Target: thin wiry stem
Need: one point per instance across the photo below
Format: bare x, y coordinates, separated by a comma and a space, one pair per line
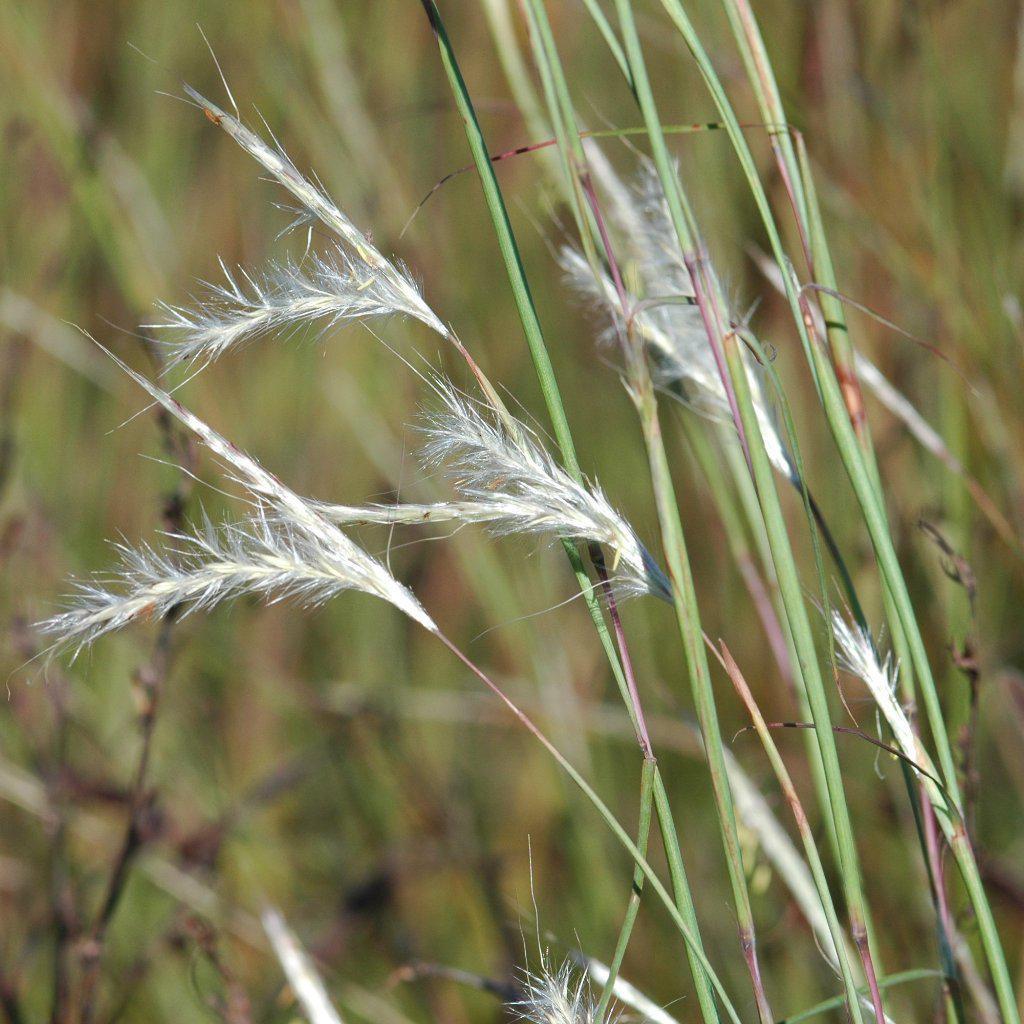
837, 946
860, 656
677, 913
577, 185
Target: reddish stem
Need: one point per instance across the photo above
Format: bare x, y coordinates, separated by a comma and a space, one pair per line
860, 938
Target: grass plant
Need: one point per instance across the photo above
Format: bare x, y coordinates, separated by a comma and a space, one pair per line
751, 533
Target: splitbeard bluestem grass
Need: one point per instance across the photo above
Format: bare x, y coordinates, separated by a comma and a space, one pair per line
501, 472
287, 548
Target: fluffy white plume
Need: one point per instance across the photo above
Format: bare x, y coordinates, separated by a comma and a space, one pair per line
204, 569
510, 481
329, 290
315, 201
858, 656
556, 997
682, 362
295, 515
668, 320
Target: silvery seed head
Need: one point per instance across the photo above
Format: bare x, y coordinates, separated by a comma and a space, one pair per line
506, 478
666, 315
315, 202
857, 655
200, 570
288, 548
327, 290
559, 996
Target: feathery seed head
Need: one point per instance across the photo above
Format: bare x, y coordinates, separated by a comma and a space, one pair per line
556, 996
362, 253
276, 162
682, 361
329, 289
259, 557
857, 654
509, 480
283, 517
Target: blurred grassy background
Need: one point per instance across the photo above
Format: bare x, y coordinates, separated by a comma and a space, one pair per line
338, 763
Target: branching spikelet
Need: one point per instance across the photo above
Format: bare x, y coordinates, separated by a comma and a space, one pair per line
556, 996
202, 570
858, 656
315, 202
510, 481
329, 290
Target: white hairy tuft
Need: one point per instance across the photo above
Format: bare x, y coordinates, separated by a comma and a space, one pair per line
284, 518
857, 654
329, 290
668, 320
317, 204
560, 996
201, 570
509, 480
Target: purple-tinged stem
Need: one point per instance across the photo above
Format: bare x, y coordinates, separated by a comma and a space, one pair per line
640, 723
711, 316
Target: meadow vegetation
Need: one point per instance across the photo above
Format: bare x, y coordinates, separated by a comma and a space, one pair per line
512, 508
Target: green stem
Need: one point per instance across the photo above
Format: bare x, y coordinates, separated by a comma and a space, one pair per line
803, 827
683, 910
835, 407
902, 978
688, 621
633, 907
506, 243
692, 941
563, 117
782, 554
682, 893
